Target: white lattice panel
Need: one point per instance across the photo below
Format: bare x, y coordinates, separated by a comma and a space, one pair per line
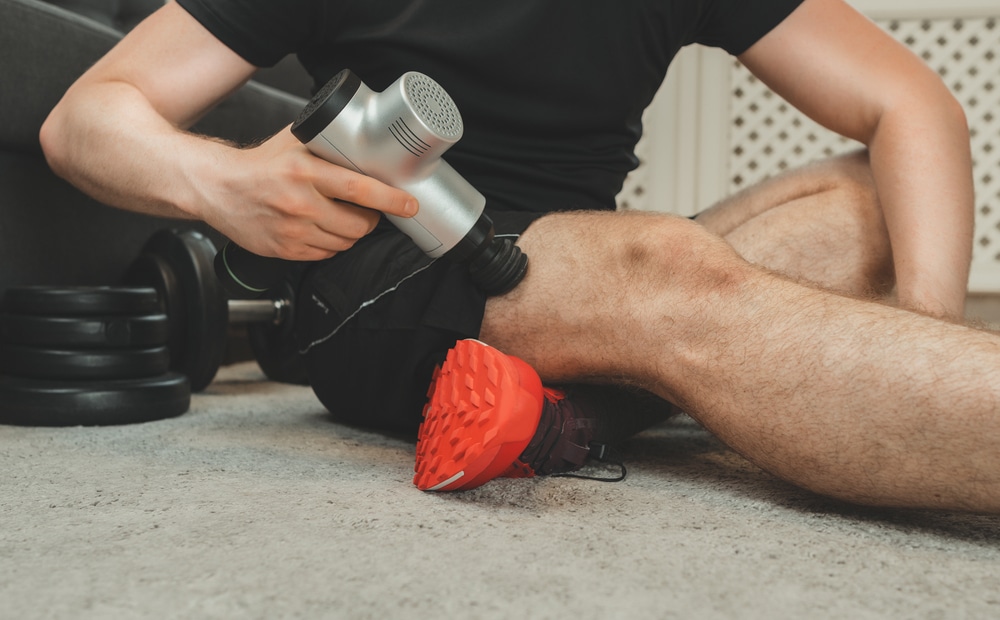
634, 194
769, 136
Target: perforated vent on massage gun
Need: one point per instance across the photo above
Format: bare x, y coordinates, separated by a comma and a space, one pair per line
433, 105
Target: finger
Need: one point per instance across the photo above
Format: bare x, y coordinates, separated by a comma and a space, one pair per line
328, 226
319, 247
347, 221
345, 185
311, 254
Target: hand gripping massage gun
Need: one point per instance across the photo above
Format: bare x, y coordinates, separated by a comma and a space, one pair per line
398, 137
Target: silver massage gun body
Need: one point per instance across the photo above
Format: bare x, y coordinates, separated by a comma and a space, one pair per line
399, 136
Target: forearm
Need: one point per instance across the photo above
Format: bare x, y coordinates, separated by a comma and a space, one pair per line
107, 140
923, 171
275, 199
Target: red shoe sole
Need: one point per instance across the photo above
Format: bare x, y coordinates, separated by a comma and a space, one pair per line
483, 409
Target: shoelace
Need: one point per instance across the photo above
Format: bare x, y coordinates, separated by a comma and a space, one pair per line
602, 453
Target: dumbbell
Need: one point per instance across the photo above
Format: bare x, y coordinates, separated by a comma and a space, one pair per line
180, 266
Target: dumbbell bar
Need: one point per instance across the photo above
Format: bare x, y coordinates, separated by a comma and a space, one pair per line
179, 265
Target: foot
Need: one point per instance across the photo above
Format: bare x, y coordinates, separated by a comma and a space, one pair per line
488, 416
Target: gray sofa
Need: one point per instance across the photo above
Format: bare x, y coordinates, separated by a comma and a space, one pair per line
50, 233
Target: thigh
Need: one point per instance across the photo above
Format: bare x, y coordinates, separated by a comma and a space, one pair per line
820, 224
850, 173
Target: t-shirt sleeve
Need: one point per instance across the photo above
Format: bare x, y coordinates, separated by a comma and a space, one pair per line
735, 25
262, 32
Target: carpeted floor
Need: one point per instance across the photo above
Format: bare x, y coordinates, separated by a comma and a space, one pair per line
255, 504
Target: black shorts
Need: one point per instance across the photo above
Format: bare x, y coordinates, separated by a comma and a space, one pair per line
374, 321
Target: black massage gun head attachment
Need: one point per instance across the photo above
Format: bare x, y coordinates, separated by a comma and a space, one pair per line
499, 267
495, 264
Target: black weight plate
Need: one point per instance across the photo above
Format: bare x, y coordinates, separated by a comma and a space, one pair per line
151, 270
103, 332
80, 300
82, 364
29, 402
274, 346
190, 257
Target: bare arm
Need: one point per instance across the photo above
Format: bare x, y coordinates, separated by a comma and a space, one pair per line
119, 135
844, 72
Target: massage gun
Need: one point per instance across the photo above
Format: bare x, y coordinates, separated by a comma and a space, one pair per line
398, 137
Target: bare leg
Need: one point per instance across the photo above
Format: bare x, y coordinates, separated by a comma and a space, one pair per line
821, 224
851, 399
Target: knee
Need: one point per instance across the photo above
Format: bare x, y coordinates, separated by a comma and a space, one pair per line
630, 251
677, 254
844, 242
854, 176
601, 286
858, 193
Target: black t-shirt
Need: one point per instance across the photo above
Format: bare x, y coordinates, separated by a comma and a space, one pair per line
551, 92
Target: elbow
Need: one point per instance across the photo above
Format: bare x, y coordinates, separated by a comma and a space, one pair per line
945, 104
956, 112
934, 108
53, 141
946, 108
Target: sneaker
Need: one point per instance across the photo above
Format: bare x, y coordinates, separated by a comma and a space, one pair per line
488, 416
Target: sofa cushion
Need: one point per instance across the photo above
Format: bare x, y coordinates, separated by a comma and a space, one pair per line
43, 49
121, 15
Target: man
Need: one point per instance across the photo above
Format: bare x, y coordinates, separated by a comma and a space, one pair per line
850, 398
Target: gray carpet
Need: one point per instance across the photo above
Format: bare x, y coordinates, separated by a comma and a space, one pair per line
255, 504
